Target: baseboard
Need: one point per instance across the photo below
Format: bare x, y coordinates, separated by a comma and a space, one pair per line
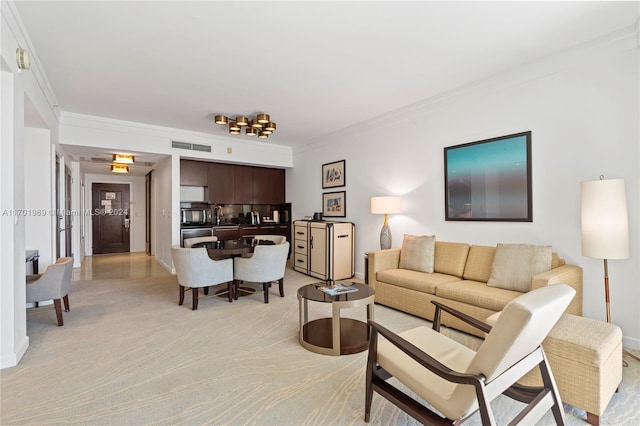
631, 343
169, 268
13, 359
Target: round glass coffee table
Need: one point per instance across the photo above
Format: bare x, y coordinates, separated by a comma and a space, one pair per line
335, 335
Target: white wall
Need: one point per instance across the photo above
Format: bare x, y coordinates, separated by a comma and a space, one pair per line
165, 194
15, 87
39, 202
582, 108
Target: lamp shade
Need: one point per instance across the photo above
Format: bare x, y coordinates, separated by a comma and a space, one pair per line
605, 225
386, 205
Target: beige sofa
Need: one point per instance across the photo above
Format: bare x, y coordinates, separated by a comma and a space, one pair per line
459, 279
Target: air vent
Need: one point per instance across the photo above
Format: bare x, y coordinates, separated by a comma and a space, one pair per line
203, 148
180, 145
191, 146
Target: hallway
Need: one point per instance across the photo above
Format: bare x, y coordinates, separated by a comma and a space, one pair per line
119, 265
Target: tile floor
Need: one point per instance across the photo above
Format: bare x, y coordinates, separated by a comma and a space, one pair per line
119, 265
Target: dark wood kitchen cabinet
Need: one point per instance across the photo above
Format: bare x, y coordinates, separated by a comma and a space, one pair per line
235, 184
194, 173
222, 183
268, 186
243, 176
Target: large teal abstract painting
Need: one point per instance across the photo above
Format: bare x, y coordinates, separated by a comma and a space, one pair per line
489, 180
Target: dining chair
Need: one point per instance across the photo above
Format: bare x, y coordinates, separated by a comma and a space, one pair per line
277, 239
266, 265
54, 284
195, 269
188, 242
458, 381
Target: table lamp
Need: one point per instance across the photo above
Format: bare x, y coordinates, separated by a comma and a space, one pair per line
605, 225
386, 206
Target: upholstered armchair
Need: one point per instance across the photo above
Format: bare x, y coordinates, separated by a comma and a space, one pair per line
188, 242
267, 264
458, 381
195, 269
53, 284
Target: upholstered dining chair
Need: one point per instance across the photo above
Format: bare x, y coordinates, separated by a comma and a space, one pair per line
188, 242
195, 269
267, 264
277, 239
458, 381
54, 284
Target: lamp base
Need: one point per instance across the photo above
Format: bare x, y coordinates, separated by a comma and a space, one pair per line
385, 237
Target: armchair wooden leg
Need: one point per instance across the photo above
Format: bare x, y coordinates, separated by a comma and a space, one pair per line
371, 367
230, 286
593, 419
58, 305
281, 286
194, 303
265, 287
65, 299
181, 300
206, 291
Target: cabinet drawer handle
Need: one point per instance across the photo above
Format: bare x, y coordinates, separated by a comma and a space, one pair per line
300, 233
343, 236
300, 260
300, 247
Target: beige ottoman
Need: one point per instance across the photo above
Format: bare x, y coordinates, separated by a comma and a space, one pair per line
585, 356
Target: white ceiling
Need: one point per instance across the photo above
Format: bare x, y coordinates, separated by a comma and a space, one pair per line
315, 67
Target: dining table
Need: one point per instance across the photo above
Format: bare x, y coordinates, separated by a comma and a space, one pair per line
225, 249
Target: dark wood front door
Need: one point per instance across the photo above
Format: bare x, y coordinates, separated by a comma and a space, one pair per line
111, 220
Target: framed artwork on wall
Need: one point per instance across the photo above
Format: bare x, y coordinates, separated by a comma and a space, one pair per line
333, 174
489, 180
334, 204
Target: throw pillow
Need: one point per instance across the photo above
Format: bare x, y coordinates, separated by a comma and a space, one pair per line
417, 252
515, 264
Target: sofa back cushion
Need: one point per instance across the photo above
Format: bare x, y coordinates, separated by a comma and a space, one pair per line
417, 253
450, 258
479, 261
515, 264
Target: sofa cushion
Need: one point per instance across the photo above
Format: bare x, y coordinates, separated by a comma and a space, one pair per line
414, 280
479, 261
417, 253
450, 258
515, 264
477, 294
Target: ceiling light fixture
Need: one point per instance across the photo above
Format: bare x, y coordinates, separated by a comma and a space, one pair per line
119, 168
260, 126
123, 159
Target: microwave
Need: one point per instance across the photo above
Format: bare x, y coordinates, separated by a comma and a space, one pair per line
195, 216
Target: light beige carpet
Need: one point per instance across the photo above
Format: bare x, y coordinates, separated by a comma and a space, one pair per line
129, 355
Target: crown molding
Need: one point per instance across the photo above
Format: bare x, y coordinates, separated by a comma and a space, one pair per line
596, 50
16, 27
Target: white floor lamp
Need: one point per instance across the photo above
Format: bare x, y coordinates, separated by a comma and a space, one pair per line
386, 206
605, 226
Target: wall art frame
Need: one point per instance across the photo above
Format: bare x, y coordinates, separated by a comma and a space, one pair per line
333, 174
334, 204
489, 180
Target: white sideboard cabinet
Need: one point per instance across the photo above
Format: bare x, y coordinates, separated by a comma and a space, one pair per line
324, 249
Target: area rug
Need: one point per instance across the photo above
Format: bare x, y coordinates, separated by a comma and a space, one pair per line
129, 355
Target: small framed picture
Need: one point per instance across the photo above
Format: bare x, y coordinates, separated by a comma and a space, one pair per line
333, 174
334, 204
